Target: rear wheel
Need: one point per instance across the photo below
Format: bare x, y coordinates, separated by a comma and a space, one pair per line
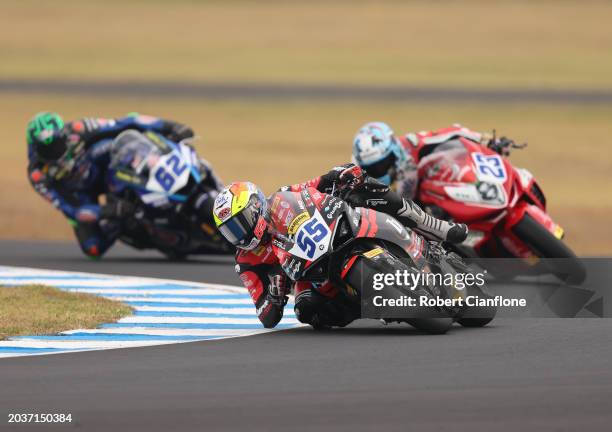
567, 266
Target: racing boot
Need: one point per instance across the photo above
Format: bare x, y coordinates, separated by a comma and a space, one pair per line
430, 226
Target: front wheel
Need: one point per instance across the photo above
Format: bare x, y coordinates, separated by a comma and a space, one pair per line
364, 267
175, 256
477, 317
567, 266
471, 316
431, 325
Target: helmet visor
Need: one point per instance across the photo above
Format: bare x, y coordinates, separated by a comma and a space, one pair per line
382, 168
239, 230
51, 146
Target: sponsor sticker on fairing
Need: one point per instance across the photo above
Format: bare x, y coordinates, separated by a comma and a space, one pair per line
332, 211
297, 222
373, 252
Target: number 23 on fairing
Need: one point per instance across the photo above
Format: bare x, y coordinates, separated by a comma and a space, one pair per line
489, 168
312, 238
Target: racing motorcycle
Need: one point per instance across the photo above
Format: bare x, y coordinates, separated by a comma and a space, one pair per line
320, 237
171, 191
503, 206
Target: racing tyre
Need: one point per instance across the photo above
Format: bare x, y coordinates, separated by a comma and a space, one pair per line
474, 322
175, 256
569, 269
472, 317
361, 274
431, 325
477, 317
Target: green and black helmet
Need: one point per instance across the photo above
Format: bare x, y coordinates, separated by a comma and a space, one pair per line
43, 135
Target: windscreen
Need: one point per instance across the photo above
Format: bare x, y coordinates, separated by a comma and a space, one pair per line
135, 152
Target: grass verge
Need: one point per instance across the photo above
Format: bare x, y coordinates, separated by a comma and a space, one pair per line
40, 310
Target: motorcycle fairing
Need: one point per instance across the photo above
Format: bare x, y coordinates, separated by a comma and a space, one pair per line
155, 167
466, 180
381, 226
474, 185
304, 223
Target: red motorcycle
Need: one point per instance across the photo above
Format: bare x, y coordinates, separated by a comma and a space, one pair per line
503, 206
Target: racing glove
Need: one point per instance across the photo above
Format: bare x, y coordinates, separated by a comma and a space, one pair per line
344, 177
178, 132
352, 177
501, 146
278, 288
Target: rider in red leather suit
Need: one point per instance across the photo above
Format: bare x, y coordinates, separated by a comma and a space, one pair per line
258, 265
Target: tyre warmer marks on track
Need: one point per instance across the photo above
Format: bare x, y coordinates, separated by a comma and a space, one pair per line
165, 312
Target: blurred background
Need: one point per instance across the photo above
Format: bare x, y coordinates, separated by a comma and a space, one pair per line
544, 68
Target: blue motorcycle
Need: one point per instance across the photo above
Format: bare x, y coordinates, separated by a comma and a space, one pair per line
173, 192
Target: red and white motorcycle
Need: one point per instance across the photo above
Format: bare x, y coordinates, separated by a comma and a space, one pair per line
503, 206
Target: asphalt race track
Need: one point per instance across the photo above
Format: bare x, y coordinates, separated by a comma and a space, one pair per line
536, 374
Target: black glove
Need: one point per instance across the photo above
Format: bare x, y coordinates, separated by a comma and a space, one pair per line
179, 132
352, 177
343, 177
278, 289
503, 145
117, 209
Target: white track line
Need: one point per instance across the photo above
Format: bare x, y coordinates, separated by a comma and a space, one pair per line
142, 291
6, 272
211, 310
161, 300
228, 311
170, 332
101, 283
196, 320
86, 344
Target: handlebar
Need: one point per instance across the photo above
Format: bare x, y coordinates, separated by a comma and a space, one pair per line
518, 146
503, 145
